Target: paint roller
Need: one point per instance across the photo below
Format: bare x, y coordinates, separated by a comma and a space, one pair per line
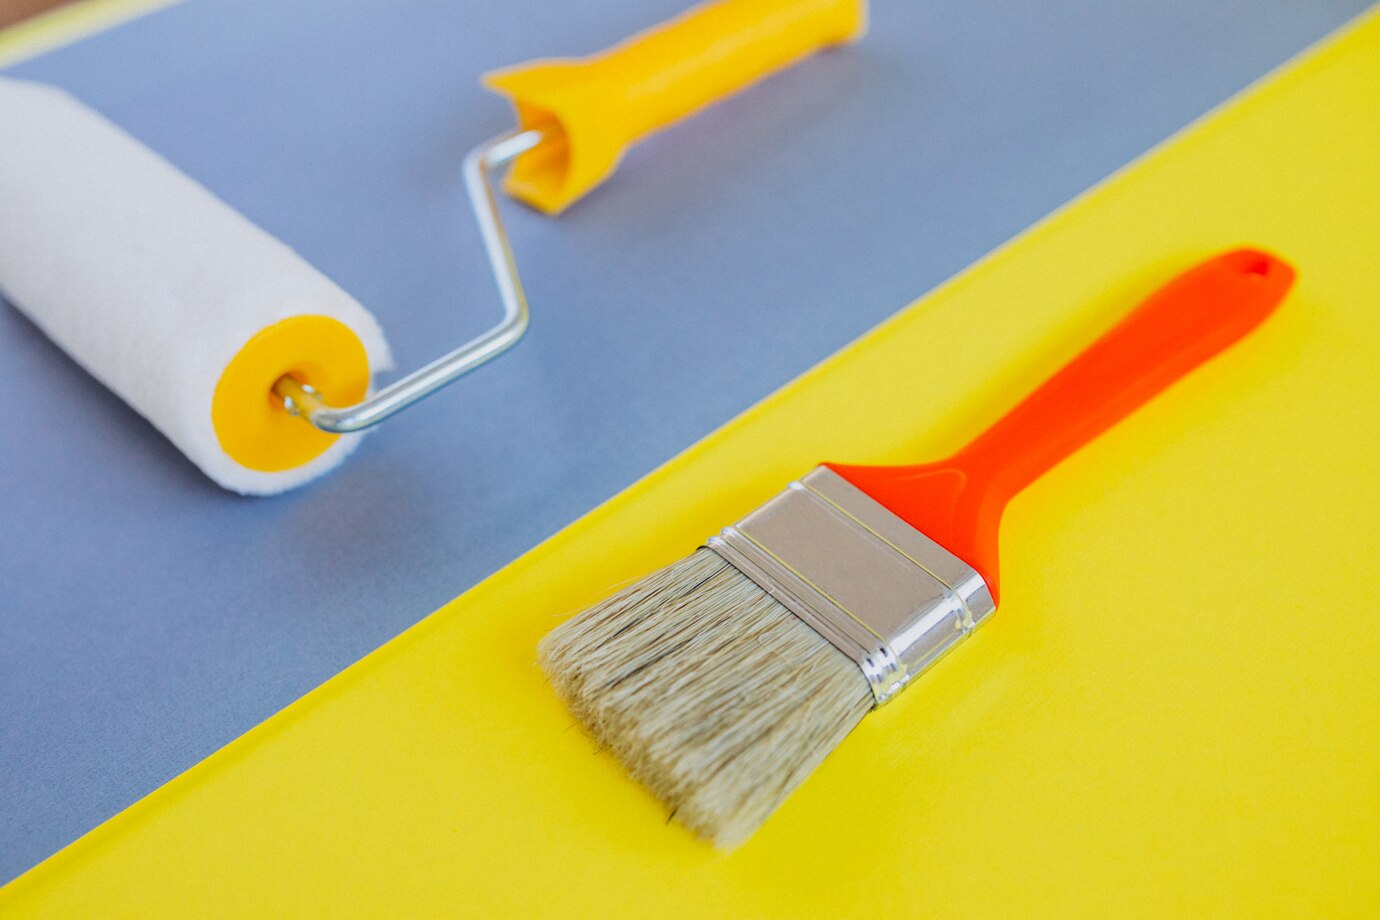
253, 363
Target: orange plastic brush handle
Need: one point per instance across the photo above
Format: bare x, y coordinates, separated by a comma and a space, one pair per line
958, 502
591, 109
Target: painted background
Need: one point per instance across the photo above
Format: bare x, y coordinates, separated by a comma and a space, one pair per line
148, 618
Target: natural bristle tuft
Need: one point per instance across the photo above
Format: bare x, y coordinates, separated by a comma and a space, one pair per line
709, 691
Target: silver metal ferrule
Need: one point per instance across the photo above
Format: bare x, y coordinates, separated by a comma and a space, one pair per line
882, 592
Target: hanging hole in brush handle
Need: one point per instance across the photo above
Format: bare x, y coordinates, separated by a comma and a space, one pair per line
1183, 324
958, 502
575, 119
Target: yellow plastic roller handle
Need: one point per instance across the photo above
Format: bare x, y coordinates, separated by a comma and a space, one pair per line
592, 109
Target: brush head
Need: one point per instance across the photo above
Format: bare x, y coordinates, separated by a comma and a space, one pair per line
723, 680
712, 693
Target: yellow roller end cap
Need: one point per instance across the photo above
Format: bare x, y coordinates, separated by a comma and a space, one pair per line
253, 427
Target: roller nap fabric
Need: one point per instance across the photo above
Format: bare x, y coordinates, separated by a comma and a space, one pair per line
145, 278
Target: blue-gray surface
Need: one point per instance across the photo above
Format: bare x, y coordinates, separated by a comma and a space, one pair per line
148, 618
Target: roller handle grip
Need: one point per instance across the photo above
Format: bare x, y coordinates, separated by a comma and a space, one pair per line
714, 50
591, 109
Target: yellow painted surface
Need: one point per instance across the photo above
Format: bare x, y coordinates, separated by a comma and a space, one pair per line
1176, 712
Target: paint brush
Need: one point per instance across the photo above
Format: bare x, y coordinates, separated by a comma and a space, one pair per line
724, 679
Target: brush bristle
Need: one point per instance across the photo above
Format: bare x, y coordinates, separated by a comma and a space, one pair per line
711, 693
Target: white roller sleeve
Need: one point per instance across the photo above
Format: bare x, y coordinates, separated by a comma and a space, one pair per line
144, 277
